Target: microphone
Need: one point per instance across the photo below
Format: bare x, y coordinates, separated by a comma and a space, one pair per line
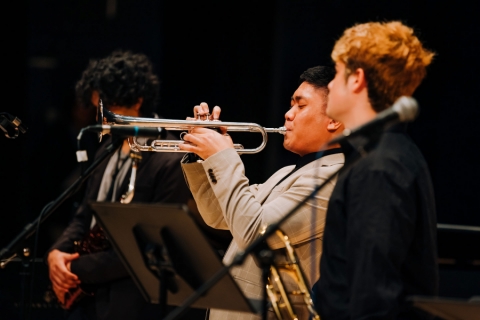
404, 109
129, 131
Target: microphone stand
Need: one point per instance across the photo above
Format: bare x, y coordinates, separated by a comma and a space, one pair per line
29, 229
258, 246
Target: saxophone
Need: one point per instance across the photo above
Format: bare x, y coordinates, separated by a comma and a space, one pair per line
276, 290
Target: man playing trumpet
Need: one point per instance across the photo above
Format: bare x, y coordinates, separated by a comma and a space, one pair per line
227, 201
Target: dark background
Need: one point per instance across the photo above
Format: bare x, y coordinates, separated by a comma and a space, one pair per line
244, 56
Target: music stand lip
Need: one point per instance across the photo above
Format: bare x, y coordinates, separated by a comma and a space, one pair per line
448, 308
120, 220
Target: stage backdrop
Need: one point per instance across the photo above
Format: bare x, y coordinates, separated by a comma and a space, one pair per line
245, 56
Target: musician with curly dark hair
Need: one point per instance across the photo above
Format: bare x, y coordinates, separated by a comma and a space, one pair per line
122, 79
81, 258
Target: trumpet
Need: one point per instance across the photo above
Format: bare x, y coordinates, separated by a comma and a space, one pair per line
107, 117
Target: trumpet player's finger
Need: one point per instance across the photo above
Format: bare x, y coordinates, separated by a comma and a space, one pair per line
196, 113
216, 113
198, 131
206, 142
205, 133
222, 130
204, 108
201, 110
188, 145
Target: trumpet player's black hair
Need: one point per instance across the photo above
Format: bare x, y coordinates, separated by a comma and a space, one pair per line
121, 79
319, 76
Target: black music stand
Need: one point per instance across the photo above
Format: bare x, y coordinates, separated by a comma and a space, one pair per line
162, 241
447, 308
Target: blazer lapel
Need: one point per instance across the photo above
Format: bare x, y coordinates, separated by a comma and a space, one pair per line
269, 189
266, 189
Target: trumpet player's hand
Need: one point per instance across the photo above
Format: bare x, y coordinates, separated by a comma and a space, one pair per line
202, 110
59, 271
205, 142
202, 141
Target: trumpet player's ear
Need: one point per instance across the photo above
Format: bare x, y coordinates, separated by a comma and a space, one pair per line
333, 125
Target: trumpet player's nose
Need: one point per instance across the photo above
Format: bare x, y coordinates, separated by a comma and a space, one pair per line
289, 115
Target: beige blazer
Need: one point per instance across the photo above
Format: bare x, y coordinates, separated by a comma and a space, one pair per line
227, 201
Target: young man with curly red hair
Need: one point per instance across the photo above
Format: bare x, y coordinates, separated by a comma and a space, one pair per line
380, 234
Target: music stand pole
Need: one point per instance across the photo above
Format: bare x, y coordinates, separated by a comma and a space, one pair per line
29, 229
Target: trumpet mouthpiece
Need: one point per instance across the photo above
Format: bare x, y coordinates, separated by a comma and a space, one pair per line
280, 130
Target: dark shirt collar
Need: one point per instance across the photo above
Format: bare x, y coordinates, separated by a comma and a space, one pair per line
368, 143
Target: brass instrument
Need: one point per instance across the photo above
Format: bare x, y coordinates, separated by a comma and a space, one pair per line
107, 117
276, 291
128, 196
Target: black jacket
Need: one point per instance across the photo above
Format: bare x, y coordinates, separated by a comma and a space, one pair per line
380, 235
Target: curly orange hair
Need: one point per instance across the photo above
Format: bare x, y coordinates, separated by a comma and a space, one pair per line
392, 57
